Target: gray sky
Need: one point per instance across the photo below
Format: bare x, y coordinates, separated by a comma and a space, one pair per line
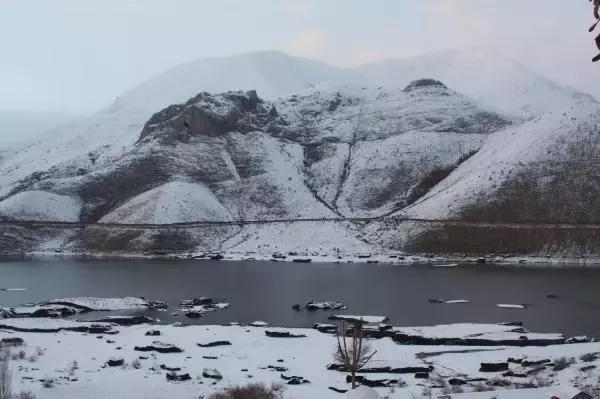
78, 55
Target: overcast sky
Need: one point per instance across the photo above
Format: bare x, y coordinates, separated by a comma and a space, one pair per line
78, 55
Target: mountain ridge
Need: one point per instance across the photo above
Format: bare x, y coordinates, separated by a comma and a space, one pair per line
329, 151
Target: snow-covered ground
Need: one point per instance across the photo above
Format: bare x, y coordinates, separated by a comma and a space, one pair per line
173, 202
76, 363
41, 205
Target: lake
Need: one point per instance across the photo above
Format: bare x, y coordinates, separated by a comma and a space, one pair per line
261, 290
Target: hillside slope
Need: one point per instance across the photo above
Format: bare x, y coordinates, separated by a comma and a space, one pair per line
531, 189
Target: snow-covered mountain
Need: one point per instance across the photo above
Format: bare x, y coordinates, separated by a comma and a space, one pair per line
328, 153
323, 144
111, 132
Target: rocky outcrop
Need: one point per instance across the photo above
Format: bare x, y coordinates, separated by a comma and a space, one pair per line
493, 367
283, 334
126, 320
214, 343
383, 369
115, 362
212, 374
159, 347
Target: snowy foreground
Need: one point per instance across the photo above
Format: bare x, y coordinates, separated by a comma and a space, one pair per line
68, 364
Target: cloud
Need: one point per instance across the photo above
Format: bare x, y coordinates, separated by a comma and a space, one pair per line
310, 43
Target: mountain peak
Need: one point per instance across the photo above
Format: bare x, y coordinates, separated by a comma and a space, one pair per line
421, 83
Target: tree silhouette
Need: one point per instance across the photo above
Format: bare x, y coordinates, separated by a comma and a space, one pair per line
596, 4
355, 354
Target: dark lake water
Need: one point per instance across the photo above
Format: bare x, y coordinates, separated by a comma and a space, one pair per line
266, 291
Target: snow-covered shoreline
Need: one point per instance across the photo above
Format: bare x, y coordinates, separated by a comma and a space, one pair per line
76, 364
313, 257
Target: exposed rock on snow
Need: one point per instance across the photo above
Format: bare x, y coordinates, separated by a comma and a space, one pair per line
212, 373
126, 320
384, 367
214, 343
320, 305
198, 306
282, 334
493, 367
115, 362
325, 328
159, 347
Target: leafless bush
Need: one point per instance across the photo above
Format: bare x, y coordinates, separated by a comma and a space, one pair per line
482, 387
22, 354
526, 385
73, 367
457, 389
25, 395
562, 363
14, 356
589, 357
33, 358
277, 386
48, 383
39, 351
251, 391
5, 375
355, 354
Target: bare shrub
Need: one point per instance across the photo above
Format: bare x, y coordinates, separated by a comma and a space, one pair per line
543, 382
25, 395
457, 389
5, 375
33, 358
39, 351
562, 363
73, 367
589, 357
427, 392
355, 354
251, 391
277, 386
22, 354
481, 387
48, 383
14, 356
